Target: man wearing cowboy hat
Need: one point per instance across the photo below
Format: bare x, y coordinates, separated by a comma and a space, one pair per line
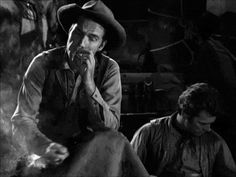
71, 91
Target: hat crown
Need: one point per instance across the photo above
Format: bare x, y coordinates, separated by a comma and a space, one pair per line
99, 12
98, 7
89, 4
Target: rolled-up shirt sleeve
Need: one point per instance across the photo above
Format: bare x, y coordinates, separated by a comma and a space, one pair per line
24, 121
105, 102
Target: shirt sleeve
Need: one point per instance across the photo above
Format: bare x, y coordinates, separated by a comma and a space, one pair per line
24, 122
224, 164
105, 102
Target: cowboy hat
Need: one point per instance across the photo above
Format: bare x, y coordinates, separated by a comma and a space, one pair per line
99, 12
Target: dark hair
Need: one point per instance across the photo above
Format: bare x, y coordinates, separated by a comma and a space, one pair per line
198, 97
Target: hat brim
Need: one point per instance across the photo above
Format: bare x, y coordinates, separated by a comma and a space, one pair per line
115, 33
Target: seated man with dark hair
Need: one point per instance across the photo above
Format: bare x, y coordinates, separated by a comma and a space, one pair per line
183, 144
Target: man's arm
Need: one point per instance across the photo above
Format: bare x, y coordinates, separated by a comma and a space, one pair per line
25, 129
140, 142
224, 165
105, 103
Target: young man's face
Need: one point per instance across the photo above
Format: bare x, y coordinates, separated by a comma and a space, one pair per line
85, 35
200, 124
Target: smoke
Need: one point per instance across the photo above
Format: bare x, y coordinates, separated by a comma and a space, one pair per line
9, 80
9, 153
14, 59
16, 52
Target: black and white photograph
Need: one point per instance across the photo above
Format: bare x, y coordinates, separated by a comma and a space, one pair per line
117, 88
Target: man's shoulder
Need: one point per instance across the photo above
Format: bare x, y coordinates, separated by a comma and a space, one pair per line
110, 61
51, 57
160, 121
156, 123
155, 129
213, 137
53, 53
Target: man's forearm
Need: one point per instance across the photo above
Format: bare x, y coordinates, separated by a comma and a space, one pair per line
101, 113
26, 133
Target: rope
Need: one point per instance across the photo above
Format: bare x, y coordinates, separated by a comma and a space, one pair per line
167, 46
162, 14
173, 44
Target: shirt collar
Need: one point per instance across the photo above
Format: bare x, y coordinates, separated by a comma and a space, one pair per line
171, 123
176, 132
64, 61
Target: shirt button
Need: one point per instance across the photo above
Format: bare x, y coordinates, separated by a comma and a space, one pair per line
96, 95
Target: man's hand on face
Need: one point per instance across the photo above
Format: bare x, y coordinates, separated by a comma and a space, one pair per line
55, 154
86, 70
